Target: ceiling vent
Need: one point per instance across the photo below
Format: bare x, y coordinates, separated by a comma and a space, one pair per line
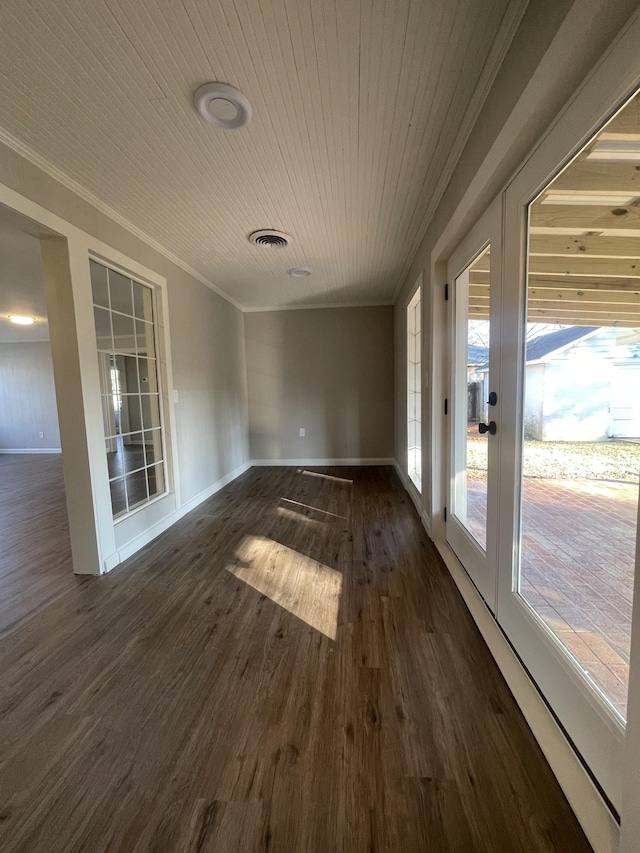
274, 239
222, 105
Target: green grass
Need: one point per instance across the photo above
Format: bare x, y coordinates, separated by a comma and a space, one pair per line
569, 460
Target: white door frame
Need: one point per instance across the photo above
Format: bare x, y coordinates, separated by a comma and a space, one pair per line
480, 565
592, 725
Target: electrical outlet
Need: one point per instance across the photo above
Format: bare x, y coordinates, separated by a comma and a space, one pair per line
41, 435
302, 432
176, 395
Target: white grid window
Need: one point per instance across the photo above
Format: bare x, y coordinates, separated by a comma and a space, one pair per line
131, 404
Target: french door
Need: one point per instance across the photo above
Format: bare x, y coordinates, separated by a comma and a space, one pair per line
569, 473
542, 504
560, 570
473, 404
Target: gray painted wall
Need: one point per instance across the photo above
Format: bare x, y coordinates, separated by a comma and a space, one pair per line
210, 374
27, 397
328, 370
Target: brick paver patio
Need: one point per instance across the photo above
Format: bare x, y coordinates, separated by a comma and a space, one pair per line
578, 548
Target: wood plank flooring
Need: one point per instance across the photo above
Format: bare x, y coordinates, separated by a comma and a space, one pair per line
288, 669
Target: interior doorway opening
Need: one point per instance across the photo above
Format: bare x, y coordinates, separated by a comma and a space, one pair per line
34, 523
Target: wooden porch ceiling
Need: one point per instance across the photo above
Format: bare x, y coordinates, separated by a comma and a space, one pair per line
584, 237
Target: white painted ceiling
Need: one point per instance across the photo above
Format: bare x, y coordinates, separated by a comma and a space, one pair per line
360, 110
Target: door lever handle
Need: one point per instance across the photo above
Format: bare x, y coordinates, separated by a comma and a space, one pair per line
491, 428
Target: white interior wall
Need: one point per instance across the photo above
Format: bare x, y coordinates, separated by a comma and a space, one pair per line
27, 398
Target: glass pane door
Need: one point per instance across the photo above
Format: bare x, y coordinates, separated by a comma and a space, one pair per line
568, 604
472, 517
581, 430
472, 389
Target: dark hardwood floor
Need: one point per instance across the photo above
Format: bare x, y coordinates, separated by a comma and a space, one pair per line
288, 669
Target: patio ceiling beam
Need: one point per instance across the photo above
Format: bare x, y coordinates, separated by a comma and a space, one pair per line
587, 309
578, 318
555, 219
628, 301
621, 285
581, 266
567, 317
578, 265
591, 176
631, 312
631, 299
590, 246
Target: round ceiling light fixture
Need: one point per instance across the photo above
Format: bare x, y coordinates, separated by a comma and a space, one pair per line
22, 320
299, 272
267, 237
222, 105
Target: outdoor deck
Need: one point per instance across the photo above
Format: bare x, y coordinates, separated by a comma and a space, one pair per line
578, 549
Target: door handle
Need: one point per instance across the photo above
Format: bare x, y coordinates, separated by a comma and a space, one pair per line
491, 428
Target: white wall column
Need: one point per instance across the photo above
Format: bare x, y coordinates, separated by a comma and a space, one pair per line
65, 268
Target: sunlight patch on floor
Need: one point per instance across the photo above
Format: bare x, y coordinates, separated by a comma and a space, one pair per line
325, 476
311, 508
303, 587
299, 518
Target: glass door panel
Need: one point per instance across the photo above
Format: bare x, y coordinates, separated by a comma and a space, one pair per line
414, 389
581, 425
474, 324
471, 408
572, 364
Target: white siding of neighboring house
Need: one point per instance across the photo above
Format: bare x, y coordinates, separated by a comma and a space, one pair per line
577, 393
533, 401
589, 391
625, 401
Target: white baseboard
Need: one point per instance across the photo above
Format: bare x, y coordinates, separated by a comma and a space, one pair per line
322, 463
593, 814
590, 809
30, 450
134, 545
110, 562
400, 473
414, 495
211, 490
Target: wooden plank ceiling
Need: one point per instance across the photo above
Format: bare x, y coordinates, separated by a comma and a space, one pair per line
584, 241
360, 110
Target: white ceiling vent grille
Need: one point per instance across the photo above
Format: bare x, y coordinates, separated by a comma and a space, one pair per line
222, 105
274, 239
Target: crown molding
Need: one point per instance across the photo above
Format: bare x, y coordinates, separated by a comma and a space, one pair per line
319, 305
